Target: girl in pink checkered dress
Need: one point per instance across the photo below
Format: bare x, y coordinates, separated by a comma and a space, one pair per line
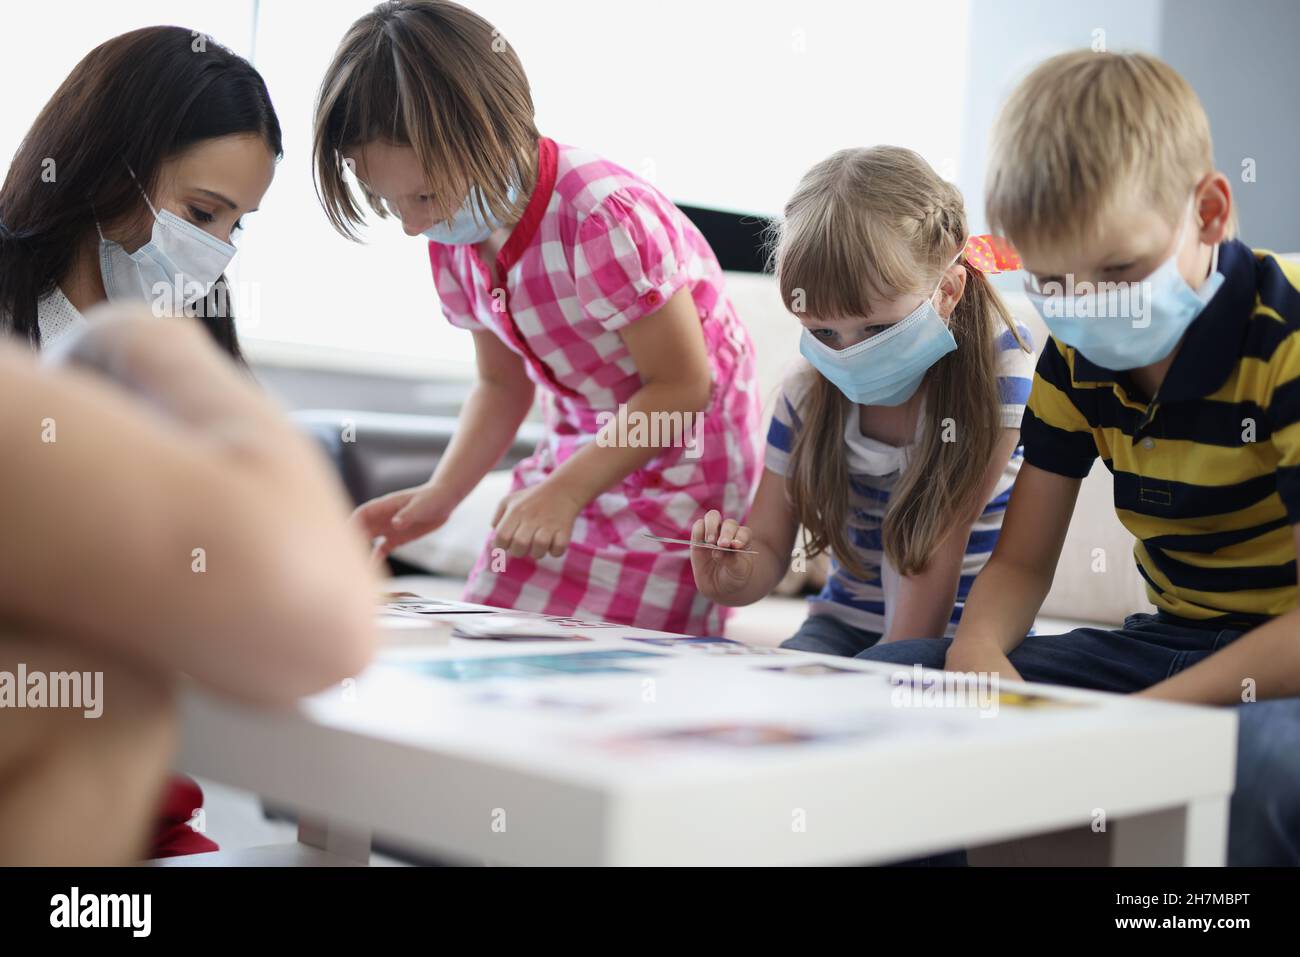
580, 282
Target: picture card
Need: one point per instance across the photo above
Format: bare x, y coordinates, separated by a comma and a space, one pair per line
554, 704
409, 603
709, 646
812, 669
531, 666
516, 628
1016, 699
739, 735
969, 688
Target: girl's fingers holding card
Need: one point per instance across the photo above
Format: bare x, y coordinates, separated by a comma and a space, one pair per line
742, 537
727, 532
712, 519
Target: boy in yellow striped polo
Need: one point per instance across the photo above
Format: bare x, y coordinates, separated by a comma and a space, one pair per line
1175, 358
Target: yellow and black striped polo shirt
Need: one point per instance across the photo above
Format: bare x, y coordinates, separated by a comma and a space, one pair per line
1207, 474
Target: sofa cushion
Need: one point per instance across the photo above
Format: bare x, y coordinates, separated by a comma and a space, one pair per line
453, 549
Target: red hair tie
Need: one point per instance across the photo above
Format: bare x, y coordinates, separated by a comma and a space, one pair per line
991, 254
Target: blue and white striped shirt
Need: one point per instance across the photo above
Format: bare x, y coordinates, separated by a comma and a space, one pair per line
874, 471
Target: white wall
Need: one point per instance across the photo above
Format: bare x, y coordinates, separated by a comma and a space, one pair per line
1241, 58
722, 103
1007, 38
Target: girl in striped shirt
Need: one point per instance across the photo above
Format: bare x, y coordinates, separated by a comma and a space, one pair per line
896, 445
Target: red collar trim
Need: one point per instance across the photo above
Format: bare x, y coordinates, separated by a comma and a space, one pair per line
526, 228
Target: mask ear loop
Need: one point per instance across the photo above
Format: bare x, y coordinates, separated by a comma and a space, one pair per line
1214, 253
145, 196
140, 188
939, 285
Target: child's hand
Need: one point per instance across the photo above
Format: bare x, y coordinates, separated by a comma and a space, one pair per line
536, 521
718, 574
980, 656
400, 517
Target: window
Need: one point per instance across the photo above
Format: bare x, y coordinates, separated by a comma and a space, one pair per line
722, 103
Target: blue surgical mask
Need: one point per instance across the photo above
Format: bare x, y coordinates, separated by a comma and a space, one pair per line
887, 368
1132, 324
467, 226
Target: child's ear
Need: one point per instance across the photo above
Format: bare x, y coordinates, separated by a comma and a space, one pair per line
951, 288
1214, 208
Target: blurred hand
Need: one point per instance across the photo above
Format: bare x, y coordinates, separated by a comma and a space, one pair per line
536, 521
170, 363
720, 575
400, 517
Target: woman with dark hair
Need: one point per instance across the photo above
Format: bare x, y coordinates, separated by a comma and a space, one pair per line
131, 185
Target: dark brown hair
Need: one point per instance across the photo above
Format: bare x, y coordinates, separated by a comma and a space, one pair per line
434, 76
132, 103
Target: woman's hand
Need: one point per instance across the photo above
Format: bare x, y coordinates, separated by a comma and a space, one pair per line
720, 575
537, 521
400, 517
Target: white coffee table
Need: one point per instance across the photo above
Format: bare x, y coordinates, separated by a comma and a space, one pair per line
612, 768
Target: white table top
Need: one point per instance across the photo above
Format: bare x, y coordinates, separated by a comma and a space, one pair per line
555, 767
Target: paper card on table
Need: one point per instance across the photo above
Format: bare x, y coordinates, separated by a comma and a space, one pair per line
569, 622
408, 603
530, 666
731, 735
812, 669
541, 702
1016, 699
388, 619
687, 541
516, 628
709, 646
962, 689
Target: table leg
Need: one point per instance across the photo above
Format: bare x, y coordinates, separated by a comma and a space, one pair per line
343, 842
1191, 835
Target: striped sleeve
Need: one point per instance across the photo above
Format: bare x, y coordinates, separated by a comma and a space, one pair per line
785, 423
1283, 409
1015, 374
1056, 434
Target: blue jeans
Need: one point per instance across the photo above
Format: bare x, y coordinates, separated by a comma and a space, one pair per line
1264, 821
830, 636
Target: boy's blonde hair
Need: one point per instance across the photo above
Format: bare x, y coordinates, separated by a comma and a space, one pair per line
872, 224
1086, 131
435, 76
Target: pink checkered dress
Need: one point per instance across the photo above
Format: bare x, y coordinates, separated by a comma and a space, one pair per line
599, 248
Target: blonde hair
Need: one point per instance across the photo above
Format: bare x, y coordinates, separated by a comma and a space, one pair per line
435, 76
864, 225
1086, 131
